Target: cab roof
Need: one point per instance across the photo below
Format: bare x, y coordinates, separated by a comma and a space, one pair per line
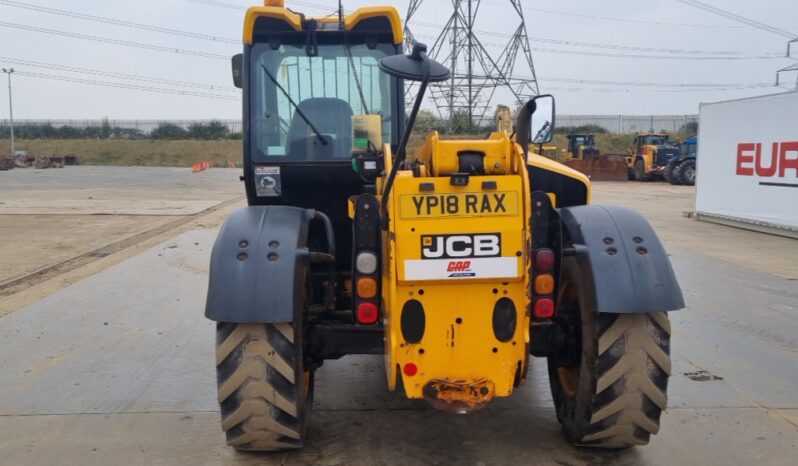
275, 17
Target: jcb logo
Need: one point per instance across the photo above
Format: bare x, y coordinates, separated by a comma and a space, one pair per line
458, 246
459, 266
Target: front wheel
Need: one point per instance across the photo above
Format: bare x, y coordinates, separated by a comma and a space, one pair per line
640, 170
265, 392
611, 394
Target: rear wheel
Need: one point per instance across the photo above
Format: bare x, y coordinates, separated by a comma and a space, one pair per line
612, 392
670, 174
265, 392
687, 172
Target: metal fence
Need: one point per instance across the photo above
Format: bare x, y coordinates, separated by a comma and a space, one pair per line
129, 129
628, 123
175, 129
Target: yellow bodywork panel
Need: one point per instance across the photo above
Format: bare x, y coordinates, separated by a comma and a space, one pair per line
539, 161
461, 252
442, 155
295, 20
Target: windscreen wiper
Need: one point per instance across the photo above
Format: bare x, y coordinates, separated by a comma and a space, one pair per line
298, 110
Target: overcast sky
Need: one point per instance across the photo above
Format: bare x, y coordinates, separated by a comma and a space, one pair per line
658, 24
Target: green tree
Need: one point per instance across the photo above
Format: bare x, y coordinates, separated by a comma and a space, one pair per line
427, 121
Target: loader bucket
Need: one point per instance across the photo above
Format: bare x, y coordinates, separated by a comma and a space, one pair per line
601, 168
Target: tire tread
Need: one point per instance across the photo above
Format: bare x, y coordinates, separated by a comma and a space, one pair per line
638, 366
256, 415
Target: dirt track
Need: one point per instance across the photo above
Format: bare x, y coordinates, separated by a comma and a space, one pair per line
112, 361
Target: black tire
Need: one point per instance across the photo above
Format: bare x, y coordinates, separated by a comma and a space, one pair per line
640, 170
612, 394
676, 175
687, 172
265, 393
671, 174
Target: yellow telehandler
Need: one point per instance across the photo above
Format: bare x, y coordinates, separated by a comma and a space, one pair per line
456, 262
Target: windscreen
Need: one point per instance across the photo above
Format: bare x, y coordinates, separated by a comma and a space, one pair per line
301, 106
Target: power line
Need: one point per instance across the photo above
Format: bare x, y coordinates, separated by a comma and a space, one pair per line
135, 87
438, 27
587, 44
630, 56
110, 74
740, 19
229, 6
624, 20
233, 6
118, 22
107, 40
665, 91
651, 84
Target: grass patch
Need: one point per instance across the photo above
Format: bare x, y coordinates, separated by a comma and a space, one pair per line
136, 152
185, 153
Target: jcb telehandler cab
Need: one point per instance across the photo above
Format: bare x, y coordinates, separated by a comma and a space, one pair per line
455, 262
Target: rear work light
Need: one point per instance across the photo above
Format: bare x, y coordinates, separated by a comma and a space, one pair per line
366, 287
366, 263
544, 284
544, 260
367, 313
544, 308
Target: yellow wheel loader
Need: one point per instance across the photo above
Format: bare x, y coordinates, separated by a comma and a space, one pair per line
456, 262
649, 157
585, 157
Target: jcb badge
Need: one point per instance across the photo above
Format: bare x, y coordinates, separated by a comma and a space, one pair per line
459, 246
459, 205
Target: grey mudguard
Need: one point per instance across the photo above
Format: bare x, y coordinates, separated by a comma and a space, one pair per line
618, 249
258, 263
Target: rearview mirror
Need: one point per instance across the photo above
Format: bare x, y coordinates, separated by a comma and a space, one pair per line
238, 70
542, 122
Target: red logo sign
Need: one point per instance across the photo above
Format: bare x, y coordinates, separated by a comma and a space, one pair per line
783, 156
458, 266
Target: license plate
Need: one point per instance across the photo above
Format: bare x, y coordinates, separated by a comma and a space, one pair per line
458, 205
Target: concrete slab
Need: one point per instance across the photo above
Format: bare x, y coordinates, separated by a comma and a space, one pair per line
51, 216
105, 207
364, 437
740, 324
119, 368
32, 242
663, 205
115, 190
130, 339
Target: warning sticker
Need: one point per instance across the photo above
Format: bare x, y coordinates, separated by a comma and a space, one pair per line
267, 182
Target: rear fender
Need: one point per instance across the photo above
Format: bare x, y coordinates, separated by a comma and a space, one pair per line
258, 265
625, 266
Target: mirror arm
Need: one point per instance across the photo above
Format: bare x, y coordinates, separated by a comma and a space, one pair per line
401, 152
523, 136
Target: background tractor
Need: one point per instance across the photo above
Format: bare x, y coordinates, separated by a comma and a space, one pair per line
455, 263
649, 156
585, 157
682, 169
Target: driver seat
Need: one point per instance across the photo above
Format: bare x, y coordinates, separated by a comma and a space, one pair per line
333, 118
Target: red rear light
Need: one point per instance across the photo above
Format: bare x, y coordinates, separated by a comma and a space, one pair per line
544, 260
544, 308
410, 369
367, 313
